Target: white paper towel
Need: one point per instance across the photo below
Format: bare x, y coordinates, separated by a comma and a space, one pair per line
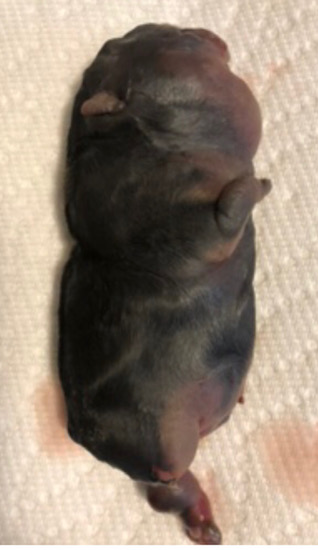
260, 469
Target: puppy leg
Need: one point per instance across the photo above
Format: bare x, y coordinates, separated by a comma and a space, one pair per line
237, 201
186, 498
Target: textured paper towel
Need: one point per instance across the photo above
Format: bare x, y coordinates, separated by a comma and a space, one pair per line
260, 469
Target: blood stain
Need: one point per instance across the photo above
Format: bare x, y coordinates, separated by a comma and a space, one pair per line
220, 503
51, 421
290, 456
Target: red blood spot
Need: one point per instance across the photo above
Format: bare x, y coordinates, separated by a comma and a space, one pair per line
276, 70
290, 453
272, 72
50, 411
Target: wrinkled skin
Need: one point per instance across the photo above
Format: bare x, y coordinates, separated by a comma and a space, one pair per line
157, 317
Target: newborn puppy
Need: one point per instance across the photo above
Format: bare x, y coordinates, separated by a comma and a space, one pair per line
157, 316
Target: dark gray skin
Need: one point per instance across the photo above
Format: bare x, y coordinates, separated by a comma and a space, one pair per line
157, 316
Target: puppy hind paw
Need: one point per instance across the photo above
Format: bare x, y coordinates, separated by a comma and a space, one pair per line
205, 533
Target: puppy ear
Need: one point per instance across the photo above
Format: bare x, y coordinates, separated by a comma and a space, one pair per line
237, 201
102, 103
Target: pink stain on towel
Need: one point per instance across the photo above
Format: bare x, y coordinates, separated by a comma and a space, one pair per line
290, 458
270, 74
221, 504
51, 421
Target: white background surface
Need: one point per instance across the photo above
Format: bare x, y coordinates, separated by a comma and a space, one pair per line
260, 469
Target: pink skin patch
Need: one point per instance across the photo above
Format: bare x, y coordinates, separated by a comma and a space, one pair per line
164, 476
50, 411
290, 459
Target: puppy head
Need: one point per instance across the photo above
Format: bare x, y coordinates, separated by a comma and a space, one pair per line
150, 104
177, 86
